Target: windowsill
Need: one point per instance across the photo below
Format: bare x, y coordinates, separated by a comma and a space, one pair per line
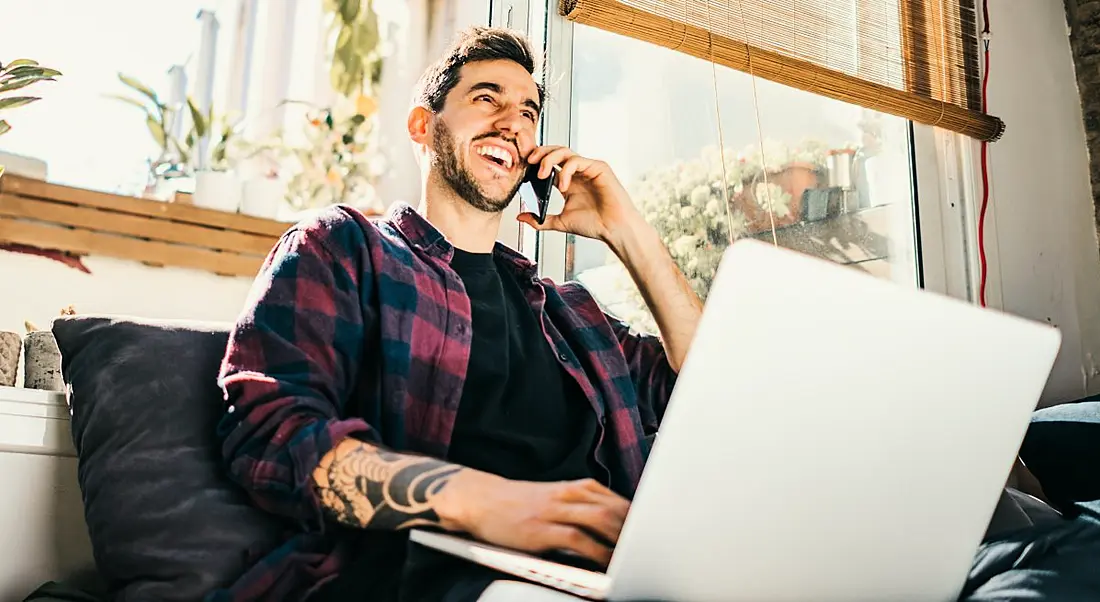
85, 222
855, 237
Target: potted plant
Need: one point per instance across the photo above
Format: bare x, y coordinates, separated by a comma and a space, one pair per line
338, 162
16, 76
167, 173
217, 185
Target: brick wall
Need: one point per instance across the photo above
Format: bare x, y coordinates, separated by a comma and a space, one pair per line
1083, 17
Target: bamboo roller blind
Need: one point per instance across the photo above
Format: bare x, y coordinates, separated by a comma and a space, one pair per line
917, 59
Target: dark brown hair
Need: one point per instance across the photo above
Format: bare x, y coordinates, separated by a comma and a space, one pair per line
471, 45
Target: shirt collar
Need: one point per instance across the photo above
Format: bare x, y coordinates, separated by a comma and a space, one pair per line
423, 235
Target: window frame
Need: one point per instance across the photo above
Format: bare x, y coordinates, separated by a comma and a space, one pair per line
946, 184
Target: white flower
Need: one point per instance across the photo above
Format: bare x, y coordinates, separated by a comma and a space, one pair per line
699, 195
685, 244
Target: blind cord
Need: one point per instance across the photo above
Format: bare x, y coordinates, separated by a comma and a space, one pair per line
983, 266
759, 130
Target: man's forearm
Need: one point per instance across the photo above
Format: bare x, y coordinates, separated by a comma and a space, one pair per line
368, 487
675, 306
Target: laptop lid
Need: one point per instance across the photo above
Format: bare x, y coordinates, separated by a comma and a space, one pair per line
831, 437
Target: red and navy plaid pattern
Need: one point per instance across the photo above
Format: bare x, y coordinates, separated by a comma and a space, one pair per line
361, 328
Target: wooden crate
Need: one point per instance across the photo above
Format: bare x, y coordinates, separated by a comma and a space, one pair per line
86, 222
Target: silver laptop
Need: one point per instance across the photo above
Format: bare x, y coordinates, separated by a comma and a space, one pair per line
831, 437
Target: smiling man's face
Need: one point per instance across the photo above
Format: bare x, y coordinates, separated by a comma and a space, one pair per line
485, 131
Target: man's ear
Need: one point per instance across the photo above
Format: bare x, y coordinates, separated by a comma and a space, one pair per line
419, 125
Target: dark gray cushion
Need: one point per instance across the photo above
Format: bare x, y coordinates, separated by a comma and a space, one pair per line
164, 520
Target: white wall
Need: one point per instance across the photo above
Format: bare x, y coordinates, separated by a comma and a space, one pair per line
1046, 264
36, 288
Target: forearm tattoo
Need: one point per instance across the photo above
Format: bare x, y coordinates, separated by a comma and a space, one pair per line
367, 487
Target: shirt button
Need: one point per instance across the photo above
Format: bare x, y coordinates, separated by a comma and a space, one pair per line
563, 357
232, 409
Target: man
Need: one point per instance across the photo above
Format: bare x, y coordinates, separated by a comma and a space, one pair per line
412, 372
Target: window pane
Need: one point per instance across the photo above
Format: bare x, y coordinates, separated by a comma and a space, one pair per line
833, 181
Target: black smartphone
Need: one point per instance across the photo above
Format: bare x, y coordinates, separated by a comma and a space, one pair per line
541, 187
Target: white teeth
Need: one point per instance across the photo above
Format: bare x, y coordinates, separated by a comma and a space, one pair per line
499, 153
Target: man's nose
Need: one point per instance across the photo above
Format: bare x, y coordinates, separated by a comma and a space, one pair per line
511, 121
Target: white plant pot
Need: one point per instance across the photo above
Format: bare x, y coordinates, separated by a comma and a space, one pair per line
218, 190
263, 197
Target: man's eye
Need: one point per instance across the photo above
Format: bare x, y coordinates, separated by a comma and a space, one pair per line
485, 97
530, 115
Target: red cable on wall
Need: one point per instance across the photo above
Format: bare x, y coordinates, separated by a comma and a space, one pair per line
985, 156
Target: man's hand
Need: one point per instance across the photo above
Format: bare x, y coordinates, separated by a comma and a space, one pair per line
582, 517
597, 205
369, 487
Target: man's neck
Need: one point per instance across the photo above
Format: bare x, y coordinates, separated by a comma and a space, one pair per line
463, 226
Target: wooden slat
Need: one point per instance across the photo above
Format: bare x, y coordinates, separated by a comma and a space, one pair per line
86, 242
134, 225
190, 214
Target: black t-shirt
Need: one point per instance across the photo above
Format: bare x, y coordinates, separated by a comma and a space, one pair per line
521, 416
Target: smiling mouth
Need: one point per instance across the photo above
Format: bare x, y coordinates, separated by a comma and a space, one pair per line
497, 156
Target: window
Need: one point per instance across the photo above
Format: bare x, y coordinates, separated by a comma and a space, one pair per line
834, 180
90, 140
86, 138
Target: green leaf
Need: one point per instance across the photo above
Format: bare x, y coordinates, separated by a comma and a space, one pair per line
27, 71
22, 82
17, 101
24, 71
140, 87
157, 130
198, 121
128, 100
367, 39
345, 38
4, 127
185, 153
349, 10
21, 63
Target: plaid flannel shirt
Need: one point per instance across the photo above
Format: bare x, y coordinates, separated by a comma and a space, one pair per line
361, 328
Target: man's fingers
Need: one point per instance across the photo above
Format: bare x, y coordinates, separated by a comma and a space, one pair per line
536, 155
573, 539
556, 157
600, 519
542, 153
589, 489
552, 221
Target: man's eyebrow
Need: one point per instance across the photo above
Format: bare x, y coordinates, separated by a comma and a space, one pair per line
494, 87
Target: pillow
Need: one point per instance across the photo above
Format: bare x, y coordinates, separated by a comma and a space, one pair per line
1062, 449
165, 522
